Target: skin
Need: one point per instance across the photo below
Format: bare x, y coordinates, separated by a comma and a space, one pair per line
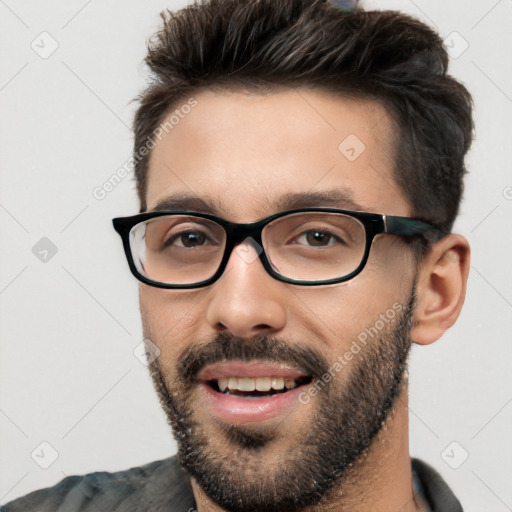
243, 152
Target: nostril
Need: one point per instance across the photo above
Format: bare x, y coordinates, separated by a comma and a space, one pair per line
246, 307
259, 327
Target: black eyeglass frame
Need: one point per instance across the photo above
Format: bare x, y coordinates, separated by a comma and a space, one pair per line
374, 224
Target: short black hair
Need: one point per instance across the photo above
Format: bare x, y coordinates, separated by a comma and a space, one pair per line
384, 56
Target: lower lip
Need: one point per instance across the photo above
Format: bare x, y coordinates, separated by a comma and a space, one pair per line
236, 409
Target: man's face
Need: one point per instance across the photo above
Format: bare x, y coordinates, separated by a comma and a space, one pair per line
283, 448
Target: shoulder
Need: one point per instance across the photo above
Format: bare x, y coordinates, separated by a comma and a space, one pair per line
152, 487
436, 491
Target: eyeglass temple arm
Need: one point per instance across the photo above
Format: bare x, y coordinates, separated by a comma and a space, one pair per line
405, 226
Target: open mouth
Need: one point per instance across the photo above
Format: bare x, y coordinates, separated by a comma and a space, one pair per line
259, 387
249, 392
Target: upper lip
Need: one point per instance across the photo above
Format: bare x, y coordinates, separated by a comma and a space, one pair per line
226, 370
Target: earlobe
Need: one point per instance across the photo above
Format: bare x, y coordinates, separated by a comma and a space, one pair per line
441, 288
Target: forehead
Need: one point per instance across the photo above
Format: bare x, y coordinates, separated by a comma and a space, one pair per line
245, 155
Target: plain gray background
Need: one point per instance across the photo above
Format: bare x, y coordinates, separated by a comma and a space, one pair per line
70, 321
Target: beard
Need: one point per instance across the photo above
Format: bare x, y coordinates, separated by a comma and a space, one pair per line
348, 413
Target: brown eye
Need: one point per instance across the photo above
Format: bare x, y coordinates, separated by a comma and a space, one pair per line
318, 238
188, 239
192, 239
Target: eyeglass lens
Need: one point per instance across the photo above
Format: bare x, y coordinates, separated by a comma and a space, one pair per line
309, 246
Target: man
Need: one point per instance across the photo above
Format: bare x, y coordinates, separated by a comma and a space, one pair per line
299, 167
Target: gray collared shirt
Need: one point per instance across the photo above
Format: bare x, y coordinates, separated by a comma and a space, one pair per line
164, 486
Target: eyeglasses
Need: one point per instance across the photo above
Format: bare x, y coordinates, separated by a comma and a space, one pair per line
310, 246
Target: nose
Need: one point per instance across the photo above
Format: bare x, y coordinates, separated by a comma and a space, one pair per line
246, 300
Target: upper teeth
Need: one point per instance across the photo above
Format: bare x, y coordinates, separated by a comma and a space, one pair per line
259, 383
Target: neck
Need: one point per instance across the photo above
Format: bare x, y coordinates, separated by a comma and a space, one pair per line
380, 480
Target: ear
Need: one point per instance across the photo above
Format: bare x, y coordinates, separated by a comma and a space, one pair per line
441, 288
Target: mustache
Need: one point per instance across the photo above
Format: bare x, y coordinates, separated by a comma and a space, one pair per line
227, 347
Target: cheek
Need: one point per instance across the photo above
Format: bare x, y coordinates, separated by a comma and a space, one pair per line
338, 315
169, 318
393, 266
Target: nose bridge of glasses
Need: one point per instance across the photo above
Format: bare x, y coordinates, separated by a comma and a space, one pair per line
240, 239
236, 233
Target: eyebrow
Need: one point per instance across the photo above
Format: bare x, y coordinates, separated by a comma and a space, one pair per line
338, 198
187, 202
